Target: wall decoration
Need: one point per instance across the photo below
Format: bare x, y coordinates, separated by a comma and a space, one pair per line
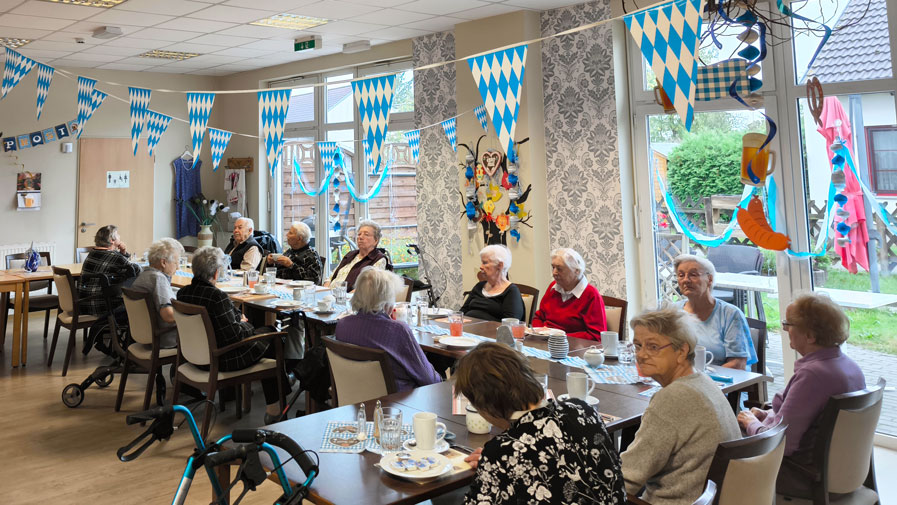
118, 179
499, 77
218, 140
28, 191
96, 99
755, 226
240, 164
413, 139
139, 103
44, 76
715, 80
85, 97
480, 112
156, 124
199, 108
451, 131
273, 107
27, 140
17, 66
374, 99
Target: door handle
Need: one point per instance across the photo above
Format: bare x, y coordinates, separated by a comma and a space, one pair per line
83, 225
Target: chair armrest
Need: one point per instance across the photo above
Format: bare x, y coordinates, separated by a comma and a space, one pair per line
251, 340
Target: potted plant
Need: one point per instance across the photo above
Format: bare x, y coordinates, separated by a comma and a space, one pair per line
206, 213
821, 265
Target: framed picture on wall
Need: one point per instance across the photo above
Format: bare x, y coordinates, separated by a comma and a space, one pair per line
28, 186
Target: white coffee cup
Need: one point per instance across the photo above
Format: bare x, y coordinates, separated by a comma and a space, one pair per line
426, 430
703, 357
260, 288
476, 423
324, 305
579, 385
609, 341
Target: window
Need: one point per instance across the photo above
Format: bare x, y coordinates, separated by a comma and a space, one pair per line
883, 158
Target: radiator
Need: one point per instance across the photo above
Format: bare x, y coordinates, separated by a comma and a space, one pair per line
49, 247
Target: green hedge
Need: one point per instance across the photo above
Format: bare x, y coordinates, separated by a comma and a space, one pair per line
706, 164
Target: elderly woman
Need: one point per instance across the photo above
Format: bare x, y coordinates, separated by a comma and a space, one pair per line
722, 327
109, 257
548, 452
155, 279
684, 421
816, 328
368, 254
230, 326
494, 298
570, 302
300, 262
372, 326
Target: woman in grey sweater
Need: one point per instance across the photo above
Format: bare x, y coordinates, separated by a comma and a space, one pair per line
684, 421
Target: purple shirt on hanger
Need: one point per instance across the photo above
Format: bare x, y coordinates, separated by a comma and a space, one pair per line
186, 185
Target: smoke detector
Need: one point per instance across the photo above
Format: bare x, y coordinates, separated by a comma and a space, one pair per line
107, 32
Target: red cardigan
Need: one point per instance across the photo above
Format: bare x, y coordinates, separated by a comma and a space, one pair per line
581, 317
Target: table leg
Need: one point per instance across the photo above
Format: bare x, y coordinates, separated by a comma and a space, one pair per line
17, 325
25, 298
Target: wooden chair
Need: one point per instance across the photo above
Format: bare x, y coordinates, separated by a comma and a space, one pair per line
530, 297
197, 346
404, 294
706, 497
843, 451
615, 314
759, 335
81, 254
69, 316
145, 352
745, 470
40, 303
357, 373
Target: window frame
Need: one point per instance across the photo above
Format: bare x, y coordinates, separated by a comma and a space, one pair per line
870, 151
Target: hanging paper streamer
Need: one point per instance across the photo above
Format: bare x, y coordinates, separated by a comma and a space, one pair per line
480, 112
156, 124
45, 136
199, 108
351, 185
44, 76
17, 67
689, 229
96, 99
85, 92
870, 195
273, 107
374, 99
413, 139
218, 140
448, 126
827, 32
714, 80
499, 77
327, 151
139, 99
669, 37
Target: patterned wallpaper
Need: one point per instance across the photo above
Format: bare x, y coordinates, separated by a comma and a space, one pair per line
583, 169
438, 211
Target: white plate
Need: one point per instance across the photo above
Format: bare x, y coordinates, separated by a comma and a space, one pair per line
300, 284
459, 342
441, 446
233, 289
442, 466
436, 312
545, 332
287, 303
591, 400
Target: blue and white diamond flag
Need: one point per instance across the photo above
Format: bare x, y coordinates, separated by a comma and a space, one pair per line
17, 67
140, 99
480, 113
669, 37
199, 108
273, 107
499, 77
85, 92
156, 124
374, 99
44, 76
328, 152
96, 99
448, 126
413, 138
218, 140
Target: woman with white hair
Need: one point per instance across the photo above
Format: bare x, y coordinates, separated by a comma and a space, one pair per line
570, 302
494, 297
300, 262
163, 256
372, 326
367, 237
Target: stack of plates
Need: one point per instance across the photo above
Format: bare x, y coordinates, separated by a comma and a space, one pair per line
558, 346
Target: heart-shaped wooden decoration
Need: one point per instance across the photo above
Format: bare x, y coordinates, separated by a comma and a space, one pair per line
491, 162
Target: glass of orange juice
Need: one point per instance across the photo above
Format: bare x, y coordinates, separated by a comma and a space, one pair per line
253, 277
456, 324
518, 330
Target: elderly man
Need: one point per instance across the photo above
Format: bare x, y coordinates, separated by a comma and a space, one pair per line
155, 279
245, 253
300, 262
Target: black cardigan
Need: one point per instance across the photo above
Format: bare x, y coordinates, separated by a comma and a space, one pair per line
494, 308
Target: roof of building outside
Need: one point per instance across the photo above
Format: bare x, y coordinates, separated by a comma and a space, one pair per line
860, 52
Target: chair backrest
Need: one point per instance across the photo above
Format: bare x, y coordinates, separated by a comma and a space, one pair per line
708, 496
845, 438
745, 470
141, 318
65, 285
731, 258
358, 373
403, 294
615, 314
530, 297
81, 253
196, 336
759, 335
17, 260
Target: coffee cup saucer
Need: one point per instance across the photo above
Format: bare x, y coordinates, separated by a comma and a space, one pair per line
591, 400
411, 445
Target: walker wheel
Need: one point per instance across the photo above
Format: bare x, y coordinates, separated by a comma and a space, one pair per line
72, 395
105, 379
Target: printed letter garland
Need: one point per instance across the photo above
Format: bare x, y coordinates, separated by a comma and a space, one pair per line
17, 67
448, 126
44, 76
140, 99
499, 77
156, 124
199, 108
273, 106
218, 140
374, 99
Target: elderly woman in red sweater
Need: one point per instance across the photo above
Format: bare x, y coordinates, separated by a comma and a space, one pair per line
571, 303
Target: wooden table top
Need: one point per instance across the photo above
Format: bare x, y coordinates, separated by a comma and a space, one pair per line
43, 272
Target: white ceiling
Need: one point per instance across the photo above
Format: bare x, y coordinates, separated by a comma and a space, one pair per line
220, 29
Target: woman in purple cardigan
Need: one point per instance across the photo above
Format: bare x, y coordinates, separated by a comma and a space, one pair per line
816, 327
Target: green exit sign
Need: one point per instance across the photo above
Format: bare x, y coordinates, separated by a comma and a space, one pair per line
307, 43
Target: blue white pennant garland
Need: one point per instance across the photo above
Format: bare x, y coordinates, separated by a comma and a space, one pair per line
327, 151
17, 67
96, 99
44, 76
218, 140
199, 108
156, 124
669, 37
499, 77
480, 112
273, 107
448, 126
85, 92
140, 99
374, 99
413, 138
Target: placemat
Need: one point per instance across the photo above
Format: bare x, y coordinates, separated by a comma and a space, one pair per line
339, 437
614, 374
574, 361
439, 330
183, 274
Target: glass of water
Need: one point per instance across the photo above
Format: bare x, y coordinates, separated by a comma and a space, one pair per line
391, 429
339, 291
627, 352
270, 277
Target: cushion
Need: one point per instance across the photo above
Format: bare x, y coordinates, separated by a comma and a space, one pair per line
613, 318
66, 318
144, 352
196, 375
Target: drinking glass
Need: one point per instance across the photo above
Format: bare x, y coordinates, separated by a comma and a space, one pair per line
627, 352
542, 379
391, 429
339, 291
182, 262
422, 307
518, 330
308, 294
226, 274
456, 324
253, 277
271, 277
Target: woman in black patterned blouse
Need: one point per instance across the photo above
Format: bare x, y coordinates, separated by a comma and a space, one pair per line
300, 262
549, 453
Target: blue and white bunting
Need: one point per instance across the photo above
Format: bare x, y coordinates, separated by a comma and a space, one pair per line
480, 113
327, 151
85, 92
218, 140
499, 77
96, 99
199, 108
374, 99
44, 76
156, 124
669, 37
451, 131
273, 107
17, 66
413, 138
139, 99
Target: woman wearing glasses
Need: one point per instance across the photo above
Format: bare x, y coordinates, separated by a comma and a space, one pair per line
684, 421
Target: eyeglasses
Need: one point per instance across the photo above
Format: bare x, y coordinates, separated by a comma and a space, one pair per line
786, 324
691, 275
650, 349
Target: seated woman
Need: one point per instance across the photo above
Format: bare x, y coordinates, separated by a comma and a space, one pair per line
109, 257
229, 324
548, 452
495, 297
371, 326
368, 254
722, 327
570, 302
300, 262
155, 279
684, 421
816, 328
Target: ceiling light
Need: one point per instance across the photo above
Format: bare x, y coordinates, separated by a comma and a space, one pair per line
356, 47
107, 32
105, 4
291, 22
168, 55
12, 42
